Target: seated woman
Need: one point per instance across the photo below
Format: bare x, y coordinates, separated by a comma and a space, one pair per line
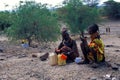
67, 47
94, 51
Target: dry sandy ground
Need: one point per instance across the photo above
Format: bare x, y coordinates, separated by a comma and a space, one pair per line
17, 63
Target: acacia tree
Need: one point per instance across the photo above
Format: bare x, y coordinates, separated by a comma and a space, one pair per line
5, 20
33, 20
77, 15
112, 9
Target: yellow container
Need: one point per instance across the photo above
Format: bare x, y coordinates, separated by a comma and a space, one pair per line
60, 60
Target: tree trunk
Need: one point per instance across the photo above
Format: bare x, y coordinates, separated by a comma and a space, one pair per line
29, 41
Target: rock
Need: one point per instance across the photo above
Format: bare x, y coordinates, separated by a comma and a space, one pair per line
1, 50
47, 79
44, 57
37, 75
109, 46
118, 64
2, 58
32, 60
117, 50
22, 55
114, 78
107, 77
93, 78
35, 55
114, 67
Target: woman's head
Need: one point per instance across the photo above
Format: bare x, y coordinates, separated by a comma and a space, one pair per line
65, 35
93, 29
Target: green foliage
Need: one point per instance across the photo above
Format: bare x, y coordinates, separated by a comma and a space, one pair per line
5, 20
5, 16
78, 16
112, 9
34, 20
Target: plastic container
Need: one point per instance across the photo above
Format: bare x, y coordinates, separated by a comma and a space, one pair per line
53, 59
78, 59
62, 59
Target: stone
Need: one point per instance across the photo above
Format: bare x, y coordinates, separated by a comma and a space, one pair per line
44, 57
34, 55
93, 78
2, 58
22, 55
107, 77
1, 50
109, 46
114, 67
118, 64
117, 50
114, 78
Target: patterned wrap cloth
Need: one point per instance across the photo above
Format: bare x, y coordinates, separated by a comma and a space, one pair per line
98, 46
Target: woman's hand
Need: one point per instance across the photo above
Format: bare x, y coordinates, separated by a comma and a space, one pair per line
57, 50
65, 49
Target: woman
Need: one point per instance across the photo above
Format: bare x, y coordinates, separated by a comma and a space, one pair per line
67, 47
94, 51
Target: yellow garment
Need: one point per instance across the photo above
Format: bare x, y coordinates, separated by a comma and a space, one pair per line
24, 41
98, 46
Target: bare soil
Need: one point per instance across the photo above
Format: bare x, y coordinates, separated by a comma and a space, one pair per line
17, 63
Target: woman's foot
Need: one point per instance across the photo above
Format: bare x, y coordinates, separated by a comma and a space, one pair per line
94, 65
